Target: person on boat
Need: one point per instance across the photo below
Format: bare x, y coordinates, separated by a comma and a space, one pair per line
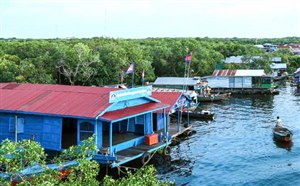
208, 89
278, 123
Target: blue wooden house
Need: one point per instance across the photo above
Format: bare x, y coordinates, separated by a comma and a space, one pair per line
59, 116
176, 100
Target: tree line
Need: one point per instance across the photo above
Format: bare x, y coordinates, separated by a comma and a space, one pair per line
100, 61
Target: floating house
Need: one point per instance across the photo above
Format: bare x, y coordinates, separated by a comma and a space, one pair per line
177, 84
296, 82
177, 101
125, 122
240, 81
278, 69
296, 75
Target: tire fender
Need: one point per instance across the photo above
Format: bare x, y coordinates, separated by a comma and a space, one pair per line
167, 150
145, 158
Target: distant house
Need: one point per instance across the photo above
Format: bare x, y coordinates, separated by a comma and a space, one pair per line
176, 82
59, 116
275, 59
234, 59
239, 79
296, 75
278, 68
294, 48
270, 47
241, 59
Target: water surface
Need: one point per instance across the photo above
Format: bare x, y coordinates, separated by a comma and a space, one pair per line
237, 148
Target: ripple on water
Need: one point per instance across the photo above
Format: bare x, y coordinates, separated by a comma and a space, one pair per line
237, 148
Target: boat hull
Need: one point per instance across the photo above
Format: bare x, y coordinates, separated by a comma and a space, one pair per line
282, 134
213, 97
202, 115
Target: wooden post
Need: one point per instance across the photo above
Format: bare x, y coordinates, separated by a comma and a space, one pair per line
16, 128
110, 138
165, 121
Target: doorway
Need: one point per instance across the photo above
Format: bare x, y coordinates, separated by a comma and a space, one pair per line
69, 132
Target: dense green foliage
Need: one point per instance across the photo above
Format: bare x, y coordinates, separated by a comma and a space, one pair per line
15, 157
144, 176
99, 61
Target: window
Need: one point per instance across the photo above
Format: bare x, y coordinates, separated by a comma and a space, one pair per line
86, 130
12, 125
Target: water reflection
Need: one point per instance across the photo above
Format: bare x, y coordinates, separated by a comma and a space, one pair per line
283, 145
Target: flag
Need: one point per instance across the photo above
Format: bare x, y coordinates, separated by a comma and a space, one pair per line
122, 76
130, 69
143, 75
188, 58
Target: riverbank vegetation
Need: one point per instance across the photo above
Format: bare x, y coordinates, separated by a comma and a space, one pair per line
99, 61
25, 154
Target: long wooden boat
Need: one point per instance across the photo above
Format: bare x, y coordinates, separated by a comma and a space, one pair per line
202, 114
282, 134
29, 172
213, 97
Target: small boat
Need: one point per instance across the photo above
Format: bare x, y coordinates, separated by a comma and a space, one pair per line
213, 97
282, 134
29, 172
202, 114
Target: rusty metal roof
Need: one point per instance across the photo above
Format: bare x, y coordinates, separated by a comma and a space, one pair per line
54, 99
169, 98
253, 73
79, 101
224, 72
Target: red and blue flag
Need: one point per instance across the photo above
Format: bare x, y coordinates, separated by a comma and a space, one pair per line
188, 58
130, 69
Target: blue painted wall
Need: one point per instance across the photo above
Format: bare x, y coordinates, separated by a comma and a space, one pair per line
44, 129
51, 130
5, 120
99, 133
148, 124
160, 121
131, 125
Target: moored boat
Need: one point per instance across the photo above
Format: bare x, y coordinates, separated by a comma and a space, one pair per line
282, 134
213, 97
199, 114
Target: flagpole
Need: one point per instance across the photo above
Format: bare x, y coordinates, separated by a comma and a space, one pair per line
184, 86
143, 76
188, 75
132, 85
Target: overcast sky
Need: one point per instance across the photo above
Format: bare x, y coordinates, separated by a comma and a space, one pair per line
149, 18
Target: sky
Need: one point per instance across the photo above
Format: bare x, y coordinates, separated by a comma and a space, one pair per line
149, 18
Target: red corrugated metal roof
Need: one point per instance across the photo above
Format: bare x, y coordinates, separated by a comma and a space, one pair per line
224, 73
169, 98
64, 100
118, 114
54, 99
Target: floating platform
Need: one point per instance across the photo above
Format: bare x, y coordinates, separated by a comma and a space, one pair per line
248, 91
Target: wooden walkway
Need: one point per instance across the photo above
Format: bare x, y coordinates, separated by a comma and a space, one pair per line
173, 129
127, 154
